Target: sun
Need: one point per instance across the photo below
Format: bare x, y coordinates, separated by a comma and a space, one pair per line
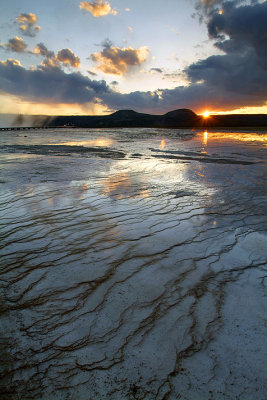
206, 114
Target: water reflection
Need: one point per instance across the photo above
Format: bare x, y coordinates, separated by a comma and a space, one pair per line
237, 136
162, 144
100, 142
123, 185
92, 285
205, 138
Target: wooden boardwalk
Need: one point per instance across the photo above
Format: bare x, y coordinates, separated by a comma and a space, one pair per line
26, 128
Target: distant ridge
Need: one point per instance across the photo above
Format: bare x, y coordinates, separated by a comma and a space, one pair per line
180, 118
125, 113
180, 113
130, 118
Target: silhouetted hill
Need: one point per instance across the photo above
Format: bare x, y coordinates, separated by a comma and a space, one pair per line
181, 118
125, 114
183, 113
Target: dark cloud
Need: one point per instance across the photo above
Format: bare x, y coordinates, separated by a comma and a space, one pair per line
92, 73
52, 85
48, 85
175, 76
245, 26
107, 43
235, 73
159, 70
27, 24
243, 67
196, 96
41, 49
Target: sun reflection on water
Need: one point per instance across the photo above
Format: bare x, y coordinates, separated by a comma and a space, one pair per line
237, 136
205, 138
102, 142
162, 144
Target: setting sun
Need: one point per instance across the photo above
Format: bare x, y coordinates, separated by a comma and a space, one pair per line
206, 114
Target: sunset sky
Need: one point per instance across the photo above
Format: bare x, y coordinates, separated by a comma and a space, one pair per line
83, 57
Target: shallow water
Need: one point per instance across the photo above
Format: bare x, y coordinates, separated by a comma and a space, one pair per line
133, 264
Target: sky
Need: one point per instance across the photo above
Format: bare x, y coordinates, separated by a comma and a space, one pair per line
69, 57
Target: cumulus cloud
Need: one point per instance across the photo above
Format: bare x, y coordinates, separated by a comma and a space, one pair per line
50, 64
117, 61
10, 62
27, 24
52, 60
41, 49
66, 56
16, 44
98, 8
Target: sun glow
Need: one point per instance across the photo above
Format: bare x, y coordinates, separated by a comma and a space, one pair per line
206, 114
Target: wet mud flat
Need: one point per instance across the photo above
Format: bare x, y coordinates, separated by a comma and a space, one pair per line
133, 265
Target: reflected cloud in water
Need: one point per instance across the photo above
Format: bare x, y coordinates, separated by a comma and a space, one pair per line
123, 185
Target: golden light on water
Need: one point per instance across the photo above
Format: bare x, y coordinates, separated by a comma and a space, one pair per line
123, 185
205, 138
162, 144
237, 136
145, 193
101, 142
